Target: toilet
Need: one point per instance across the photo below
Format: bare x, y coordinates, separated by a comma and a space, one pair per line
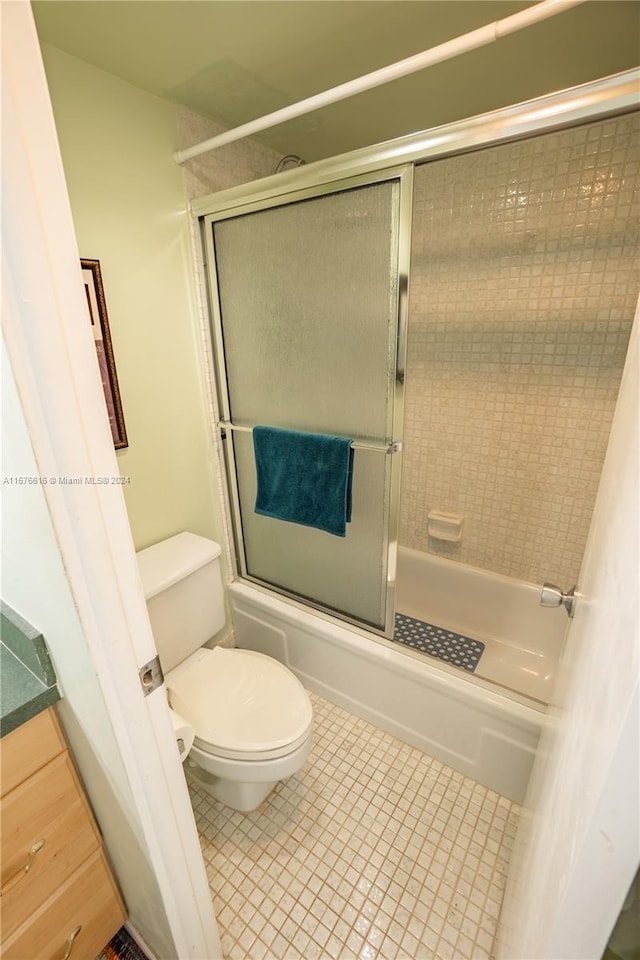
251, 717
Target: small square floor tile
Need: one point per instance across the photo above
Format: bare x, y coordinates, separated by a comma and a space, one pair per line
373, 851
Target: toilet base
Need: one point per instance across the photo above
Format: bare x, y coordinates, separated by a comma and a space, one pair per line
243, 797
243, 784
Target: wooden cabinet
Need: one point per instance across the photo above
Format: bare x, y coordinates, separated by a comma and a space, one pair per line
58, 895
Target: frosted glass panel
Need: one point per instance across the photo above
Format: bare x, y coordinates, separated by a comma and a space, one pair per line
308, 304
348, 575
308, 293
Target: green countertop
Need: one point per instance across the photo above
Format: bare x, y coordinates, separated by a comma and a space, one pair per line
27, 679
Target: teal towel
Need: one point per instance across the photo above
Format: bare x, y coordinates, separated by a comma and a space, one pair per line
304, 478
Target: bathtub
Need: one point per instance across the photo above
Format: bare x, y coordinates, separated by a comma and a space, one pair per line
466, 721
522, 640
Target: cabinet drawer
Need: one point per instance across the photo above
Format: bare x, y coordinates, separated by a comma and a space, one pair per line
29, 747
88, 900
48, 807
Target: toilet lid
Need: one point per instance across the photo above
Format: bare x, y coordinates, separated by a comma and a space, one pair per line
241, 702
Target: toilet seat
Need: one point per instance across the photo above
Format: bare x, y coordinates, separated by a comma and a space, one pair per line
242, 705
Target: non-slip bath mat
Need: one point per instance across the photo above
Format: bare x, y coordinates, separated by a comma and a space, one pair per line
444, 644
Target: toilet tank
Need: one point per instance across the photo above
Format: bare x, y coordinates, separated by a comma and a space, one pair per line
182, 583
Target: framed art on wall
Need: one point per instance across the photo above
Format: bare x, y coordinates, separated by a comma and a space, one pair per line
97, 307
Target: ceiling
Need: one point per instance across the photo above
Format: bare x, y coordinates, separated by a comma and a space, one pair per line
234, 60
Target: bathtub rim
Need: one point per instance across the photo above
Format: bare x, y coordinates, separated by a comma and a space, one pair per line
373, 646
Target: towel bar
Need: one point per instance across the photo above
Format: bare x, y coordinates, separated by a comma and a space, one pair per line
395, 446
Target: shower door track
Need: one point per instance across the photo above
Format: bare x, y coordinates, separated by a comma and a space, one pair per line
596, 100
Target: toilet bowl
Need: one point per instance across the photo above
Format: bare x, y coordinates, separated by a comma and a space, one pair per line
252, 721
251, 717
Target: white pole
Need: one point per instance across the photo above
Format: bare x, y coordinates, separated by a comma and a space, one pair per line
443, 51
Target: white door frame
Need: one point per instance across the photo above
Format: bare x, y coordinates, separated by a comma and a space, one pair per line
53, 359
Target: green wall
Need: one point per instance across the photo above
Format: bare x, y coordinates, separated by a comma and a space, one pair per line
129, 211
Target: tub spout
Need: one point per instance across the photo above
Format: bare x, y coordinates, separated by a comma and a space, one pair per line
552, 596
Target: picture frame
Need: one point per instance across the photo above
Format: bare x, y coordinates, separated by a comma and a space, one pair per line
97, 307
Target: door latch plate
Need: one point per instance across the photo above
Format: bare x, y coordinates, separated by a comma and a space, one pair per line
151, 676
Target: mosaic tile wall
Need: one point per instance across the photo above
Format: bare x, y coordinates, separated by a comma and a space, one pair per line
525, 277
230, 166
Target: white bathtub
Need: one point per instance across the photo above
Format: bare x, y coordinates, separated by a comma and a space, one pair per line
522, 639
460, 719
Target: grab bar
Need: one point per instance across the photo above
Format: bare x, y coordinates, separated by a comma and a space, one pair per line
395, 446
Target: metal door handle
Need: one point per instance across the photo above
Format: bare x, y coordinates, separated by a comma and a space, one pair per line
552, 596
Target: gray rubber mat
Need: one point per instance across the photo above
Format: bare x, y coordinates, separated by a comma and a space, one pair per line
444, 644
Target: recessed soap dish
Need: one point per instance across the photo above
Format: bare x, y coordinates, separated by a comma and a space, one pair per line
445, 526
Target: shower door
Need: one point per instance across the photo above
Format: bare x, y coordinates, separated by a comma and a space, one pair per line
308, 296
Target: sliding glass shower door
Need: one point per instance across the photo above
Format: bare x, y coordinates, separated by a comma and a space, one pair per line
308, 294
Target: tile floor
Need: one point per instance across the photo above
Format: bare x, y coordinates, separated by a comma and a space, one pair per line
373, 851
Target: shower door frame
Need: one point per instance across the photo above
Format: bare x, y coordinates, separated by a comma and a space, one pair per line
216, 212
572, 107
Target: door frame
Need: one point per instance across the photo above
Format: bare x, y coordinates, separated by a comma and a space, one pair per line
52, 356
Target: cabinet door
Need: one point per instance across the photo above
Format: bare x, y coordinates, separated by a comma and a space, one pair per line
47, 833
29, 747
83, 916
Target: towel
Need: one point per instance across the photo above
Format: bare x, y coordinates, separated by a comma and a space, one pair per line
304, 478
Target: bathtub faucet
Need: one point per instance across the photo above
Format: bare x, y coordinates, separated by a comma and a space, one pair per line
552, 596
